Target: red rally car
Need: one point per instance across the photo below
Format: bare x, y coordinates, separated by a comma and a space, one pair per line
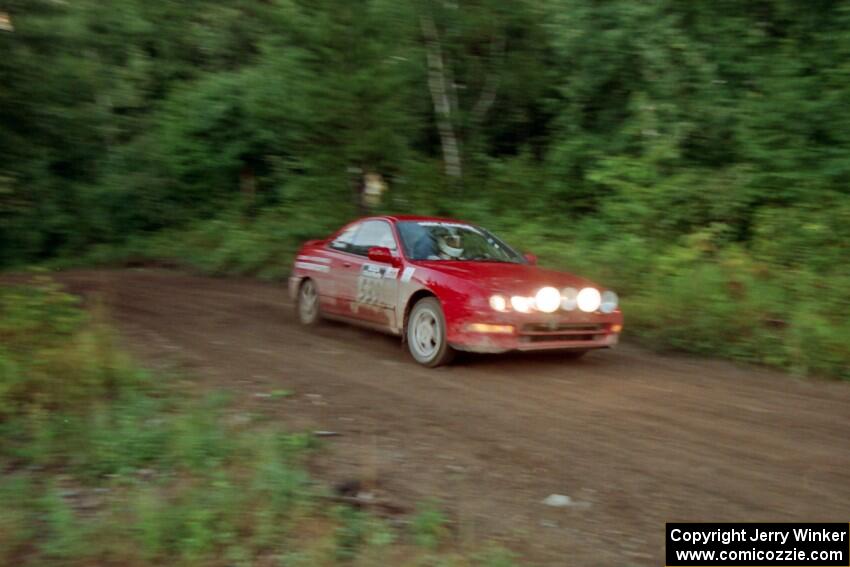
444, 285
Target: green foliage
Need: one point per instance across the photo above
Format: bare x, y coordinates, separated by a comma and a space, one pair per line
350, 534
17, 514
429, 526
65, 537
51, 357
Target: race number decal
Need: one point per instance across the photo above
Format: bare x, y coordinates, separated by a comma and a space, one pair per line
370, 284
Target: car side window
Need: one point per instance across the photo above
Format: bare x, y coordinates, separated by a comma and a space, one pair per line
345, 239
373, 233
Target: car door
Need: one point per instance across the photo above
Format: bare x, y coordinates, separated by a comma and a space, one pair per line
338, 291
373, 286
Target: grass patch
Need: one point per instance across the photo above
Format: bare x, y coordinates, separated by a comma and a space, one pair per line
102, 462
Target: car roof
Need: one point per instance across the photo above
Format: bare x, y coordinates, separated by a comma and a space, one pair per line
421, 218
399, 218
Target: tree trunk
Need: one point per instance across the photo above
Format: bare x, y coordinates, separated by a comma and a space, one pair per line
440, 97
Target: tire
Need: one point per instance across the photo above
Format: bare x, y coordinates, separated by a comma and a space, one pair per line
307, 304
426, 334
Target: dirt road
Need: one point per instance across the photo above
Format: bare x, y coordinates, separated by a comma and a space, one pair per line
633, 438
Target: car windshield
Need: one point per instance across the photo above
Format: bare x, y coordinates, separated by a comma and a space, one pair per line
437, 240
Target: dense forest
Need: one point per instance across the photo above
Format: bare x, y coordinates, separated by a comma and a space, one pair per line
693, 155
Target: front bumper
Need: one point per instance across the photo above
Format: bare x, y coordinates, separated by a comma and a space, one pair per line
571, 331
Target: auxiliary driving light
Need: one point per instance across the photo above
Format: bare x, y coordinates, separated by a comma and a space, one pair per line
609, 302
521, 304
547, 300
589, 299
499, 303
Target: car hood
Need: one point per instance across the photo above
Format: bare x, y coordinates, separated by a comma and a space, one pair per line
502, 277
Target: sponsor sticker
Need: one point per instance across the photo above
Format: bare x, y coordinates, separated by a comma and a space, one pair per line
391, 273
313, 267
318, 259
371, 271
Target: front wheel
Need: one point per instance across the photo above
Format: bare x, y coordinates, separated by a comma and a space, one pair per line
426, 334
308, 303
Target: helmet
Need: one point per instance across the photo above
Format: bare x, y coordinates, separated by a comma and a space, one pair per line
448, 241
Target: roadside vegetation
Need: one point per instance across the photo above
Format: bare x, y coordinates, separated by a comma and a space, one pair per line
695, 156
104, 463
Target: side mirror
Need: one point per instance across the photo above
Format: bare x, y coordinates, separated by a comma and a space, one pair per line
383, 255
530, 258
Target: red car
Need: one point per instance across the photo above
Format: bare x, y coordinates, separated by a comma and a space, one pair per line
444, 285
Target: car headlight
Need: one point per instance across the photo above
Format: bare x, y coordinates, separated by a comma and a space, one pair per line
499, 303
547, 300
521, 304
609, 302
588, 299
569, 298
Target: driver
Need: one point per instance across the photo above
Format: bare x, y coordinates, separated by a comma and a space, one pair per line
449, 244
